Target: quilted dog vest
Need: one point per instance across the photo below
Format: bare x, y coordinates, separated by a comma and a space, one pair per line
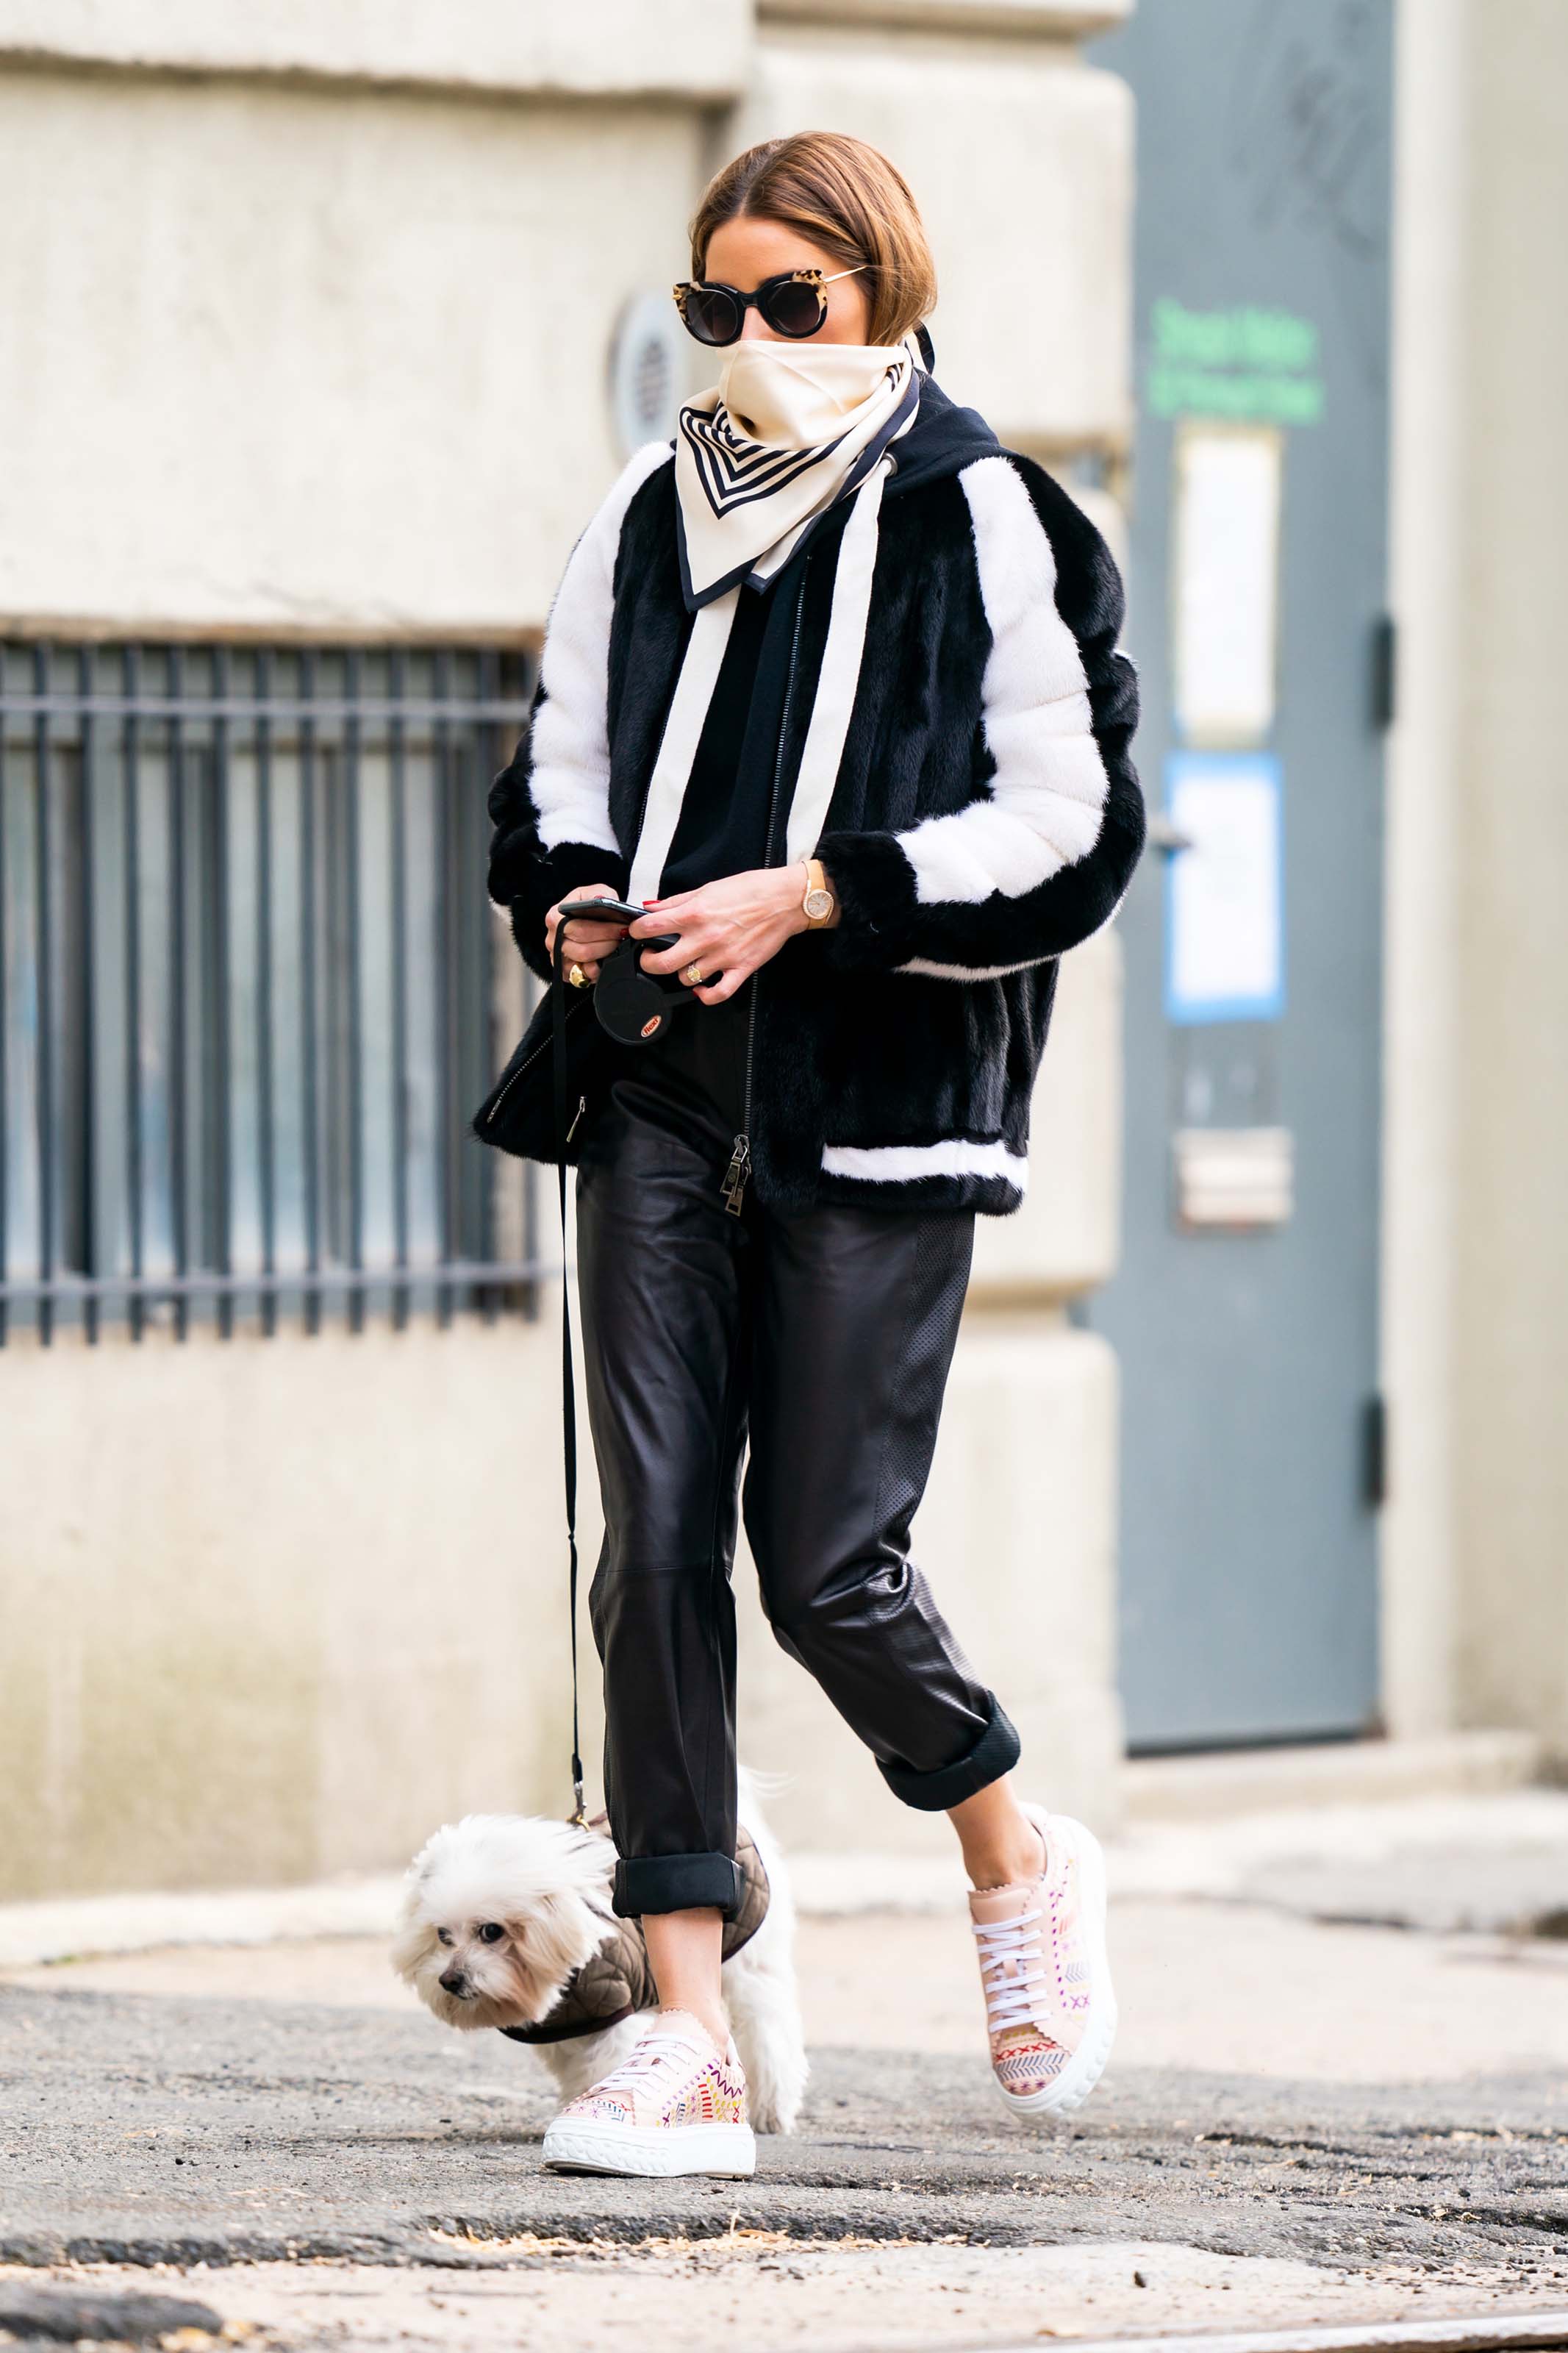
618, 1981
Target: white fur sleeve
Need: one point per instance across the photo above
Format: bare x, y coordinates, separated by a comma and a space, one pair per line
1039, 860
570, 777
1048, 792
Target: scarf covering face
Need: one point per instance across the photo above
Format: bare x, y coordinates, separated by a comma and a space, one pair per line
786, 434
788, 429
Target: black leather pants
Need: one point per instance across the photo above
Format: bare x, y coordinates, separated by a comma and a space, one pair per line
827, 1339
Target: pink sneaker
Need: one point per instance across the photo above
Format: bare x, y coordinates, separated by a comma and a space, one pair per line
1049, 2005
671, 2106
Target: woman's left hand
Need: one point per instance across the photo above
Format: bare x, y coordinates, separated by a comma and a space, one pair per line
729, 928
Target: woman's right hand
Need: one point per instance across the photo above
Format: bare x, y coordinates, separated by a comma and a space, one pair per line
585, 942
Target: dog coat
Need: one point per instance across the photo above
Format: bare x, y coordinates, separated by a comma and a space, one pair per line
618, 1981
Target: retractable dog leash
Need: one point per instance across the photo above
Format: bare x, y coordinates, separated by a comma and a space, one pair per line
579, 1815
642, 1006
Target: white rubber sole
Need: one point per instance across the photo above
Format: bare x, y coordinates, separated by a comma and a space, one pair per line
1083, 2071
726, 2152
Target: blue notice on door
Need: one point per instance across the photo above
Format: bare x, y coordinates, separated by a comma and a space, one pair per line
1225, 908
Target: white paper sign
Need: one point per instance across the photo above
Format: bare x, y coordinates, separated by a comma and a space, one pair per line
1225, 909
1225, 602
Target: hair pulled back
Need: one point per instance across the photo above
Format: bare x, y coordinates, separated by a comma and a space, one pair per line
846, 198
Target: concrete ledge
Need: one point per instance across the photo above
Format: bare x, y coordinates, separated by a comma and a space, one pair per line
1248, 1780
1050, 19
697, 49
79, 1927
1492, 1862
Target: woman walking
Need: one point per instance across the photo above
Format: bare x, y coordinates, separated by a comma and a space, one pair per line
831, 688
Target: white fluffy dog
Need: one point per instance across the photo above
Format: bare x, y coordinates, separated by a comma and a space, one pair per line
500, 1910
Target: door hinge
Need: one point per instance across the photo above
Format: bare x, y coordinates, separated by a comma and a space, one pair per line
1384, 670
1375, 1452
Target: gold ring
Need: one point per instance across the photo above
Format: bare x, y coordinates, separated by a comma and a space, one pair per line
578, 978
691, 973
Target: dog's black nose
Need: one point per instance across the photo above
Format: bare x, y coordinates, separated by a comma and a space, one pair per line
454, 1981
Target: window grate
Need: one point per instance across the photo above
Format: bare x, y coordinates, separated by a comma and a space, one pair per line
250, 988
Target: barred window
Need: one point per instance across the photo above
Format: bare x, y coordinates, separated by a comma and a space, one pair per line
251, 989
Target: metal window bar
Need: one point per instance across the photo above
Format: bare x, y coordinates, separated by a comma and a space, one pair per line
251, 990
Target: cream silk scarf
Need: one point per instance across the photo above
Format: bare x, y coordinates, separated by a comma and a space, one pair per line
786, 433
787, 430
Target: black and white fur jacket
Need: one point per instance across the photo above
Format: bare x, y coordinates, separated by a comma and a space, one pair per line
985, 820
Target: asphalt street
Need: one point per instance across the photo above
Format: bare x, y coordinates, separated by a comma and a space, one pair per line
188, 2130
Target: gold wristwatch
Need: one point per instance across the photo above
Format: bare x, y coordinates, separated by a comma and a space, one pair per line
817, 904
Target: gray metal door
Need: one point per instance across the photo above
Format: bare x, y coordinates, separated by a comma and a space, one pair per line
1245, 1311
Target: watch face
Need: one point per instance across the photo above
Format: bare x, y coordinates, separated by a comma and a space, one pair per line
818, 904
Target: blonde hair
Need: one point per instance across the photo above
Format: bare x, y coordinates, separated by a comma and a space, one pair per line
847, 198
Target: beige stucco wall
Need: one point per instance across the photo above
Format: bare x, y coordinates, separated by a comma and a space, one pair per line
1512, 1262
272, 1608
692, 49
269, 1605
1475, 1275
1417, 1553
1038, 238
313, 357
287, 351
306, 321
1065, 1237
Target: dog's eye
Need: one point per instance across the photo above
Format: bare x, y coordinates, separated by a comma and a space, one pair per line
443, 1936
492, 1932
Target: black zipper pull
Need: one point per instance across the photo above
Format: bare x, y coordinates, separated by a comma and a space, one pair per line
735, 1176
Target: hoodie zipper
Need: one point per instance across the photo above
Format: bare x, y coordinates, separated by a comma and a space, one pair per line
733, 1186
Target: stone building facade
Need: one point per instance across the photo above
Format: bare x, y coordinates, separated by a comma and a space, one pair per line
311, 310
296, 296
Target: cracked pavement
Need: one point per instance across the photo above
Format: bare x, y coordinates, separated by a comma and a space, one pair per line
181, 2131
1301, 2121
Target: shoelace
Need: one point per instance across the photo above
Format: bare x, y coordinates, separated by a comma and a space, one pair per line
1012, 1965
652, 2058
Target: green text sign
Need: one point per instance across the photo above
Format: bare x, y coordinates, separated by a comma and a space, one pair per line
1247, 363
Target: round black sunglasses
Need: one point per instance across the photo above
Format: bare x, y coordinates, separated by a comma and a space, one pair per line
795, 303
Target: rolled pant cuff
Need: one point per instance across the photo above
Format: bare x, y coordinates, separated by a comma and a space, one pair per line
676, 1882
996, 1752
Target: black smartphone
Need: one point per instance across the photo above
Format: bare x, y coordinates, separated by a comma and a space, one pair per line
591, 911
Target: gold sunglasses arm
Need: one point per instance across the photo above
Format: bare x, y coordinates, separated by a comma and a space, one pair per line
684, 285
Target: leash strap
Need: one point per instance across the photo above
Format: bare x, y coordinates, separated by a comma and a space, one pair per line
568, 1385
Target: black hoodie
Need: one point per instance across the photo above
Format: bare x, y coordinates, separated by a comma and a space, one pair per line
723, 824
